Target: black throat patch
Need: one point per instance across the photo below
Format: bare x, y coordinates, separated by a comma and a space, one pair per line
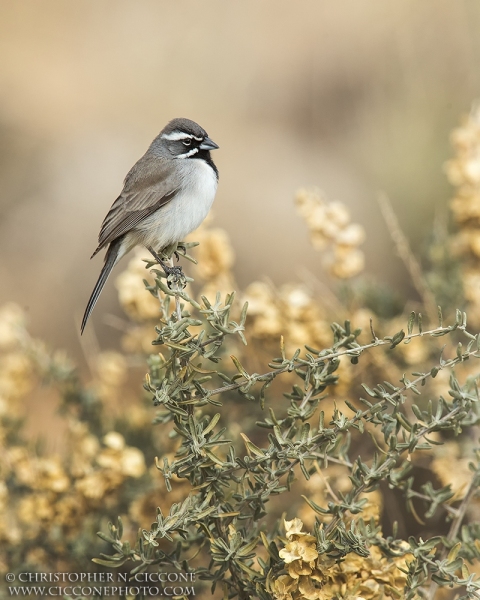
205, 155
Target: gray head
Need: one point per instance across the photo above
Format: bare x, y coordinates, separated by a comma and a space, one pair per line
184, 138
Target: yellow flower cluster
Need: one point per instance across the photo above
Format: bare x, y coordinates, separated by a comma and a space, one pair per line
49, 499
141, 307
12, 321
111, 375
135, 302
62, 494
15, 366
452, 469
315, 577
216, 258
332, 232
101, 470
290, 311
48, 496
463, 172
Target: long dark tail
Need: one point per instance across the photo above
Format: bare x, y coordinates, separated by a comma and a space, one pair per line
111, 258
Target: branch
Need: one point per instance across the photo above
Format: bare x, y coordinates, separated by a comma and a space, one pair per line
349, 352
457, 522
406, 254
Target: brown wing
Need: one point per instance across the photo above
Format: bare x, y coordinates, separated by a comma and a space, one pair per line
149, 185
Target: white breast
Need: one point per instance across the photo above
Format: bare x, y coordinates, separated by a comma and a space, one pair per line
174, 221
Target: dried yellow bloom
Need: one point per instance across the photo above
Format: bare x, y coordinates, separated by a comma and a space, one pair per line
129, 461
15, 376
299, 550
69, 510
293, 527
319, 240
98, 470
323, 578
109, 460
83, 448
463, 171
471, 281
338, 213
39, 473
36, 507
465, 207
96, 485
373, 506
138, 305
332, 232
114, 440
298, 567
290, 311
111, 368
308, 590
12, 320
283, 586
347, 262
214, 254
51, 475
451, 468
352, 235
3, 496
132, 462
297, 300
262, 306
215, 257
415, 353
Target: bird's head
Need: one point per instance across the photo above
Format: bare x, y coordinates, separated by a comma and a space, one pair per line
184, 138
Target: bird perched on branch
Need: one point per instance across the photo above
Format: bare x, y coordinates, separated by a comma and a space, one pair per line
165, 196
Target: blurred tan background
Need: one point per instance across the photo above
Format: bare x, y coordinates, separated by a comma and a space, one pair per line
354, 97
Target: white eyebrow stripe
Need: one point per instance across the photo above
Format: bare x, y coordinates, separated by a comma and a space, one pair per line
188, 154
176, 136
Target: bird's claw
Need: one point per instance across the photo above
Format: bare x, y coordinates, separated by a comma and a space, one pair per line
176, 271
176, 280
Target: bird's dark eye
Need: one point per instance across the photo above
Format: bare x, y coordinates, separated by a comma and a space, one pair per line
187, 142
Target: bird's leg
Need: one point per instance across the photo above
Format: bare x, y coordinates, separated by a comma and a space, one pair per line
176, 280
167, 269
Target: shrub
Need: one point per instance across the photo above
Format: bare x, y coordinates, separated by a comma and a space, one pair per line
346, 468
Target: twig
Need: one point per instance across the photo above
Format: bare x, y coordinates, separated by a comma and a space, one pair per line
336, 430
424, 431
349, 352
462, 509
456, 524
449, 509
406, 254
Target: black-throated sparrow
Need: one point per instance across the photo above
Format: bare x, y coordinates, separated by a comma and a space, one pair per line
165, 196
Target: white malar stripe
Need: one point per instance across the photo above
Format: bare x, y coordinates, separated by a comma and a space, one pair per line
177, 135
187, 154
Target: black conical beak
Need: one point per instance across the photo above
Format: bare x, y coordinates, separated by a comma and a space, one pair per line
208, 144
